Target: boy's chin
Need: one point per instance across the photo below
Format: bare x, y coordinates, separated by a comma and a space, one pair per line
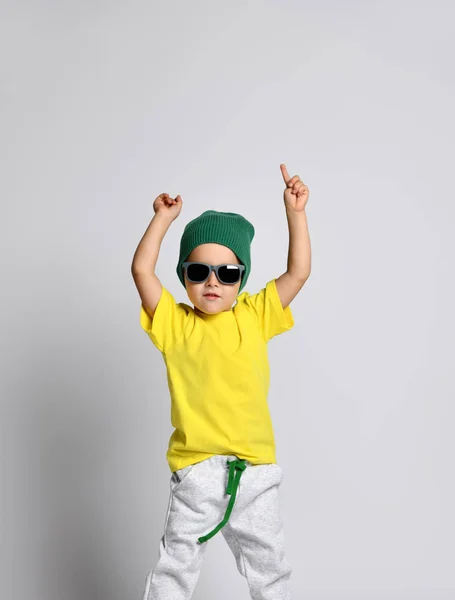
211, 307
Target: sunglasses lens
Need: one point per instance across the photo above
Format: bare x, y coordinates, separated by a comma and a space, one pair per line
229, 273
197, 273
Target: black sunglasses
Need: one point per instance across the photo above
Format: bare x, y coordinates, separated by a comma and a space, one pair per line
198, 272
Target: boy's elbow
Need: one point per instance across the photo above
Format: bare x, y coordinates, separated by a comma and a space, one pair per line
137, 270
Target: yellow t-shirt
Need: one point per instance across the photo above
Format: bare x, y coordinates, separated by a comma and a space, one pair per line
218, 375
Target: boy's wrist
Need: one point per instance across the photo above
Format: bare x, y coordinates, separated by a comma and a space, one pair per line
292, 212
162, 216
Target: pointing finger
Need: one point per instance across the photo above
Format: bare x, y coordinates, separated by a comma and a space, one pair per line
285, 173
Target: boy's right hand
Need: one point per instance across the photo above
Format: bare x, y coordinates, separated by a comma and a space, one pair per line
170, 207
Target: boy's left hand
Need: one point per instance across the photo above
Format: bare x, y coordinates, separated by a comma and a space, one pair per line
296, 193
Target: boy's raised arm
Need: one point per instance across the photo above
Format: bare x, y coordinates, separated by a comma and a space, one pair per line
145, 258
296, 197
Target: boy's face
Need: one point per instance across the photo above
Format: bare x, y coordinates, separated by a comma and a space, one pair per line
212, 254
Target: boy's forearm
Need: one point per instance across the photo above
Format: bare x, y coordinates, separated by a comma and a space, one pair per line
146, 255
299, 255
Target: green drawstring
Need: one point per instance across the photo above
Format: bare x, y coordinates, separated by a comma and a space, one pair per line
233, 482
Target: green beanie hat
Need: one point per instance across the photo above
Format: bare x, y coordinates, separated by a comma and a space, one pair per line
226, 228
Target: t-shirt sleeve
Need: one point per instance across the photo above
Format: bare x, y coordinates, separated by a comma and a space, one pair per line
168, 323
272, 318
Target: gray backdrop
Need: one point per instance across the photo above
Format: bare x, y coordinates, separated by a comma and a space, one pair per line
105, 105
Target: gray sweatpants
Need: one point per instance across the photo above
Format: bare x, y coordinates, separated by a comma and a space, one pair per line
254, 531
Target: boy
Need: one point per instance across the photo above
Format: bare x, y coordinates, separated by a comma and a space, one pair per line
222, 451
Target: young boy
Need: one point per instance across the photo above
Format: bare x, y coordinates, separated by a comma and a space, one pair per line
222, 451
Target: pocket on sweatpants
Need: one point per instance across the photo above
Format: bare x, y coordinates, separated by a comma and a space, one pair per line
181, 474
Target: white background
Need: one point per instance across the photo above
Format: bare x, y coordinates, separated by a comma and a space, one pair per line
104, 105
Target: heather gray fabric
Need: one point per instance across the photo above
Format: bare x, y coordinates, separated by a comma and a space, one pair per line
254, 532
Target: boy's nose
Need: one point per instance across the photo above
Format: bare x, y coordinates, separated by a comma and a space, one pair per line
213, 278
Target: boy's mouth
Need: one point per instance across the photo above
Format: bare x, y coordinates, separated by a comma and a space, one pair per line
210, 295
